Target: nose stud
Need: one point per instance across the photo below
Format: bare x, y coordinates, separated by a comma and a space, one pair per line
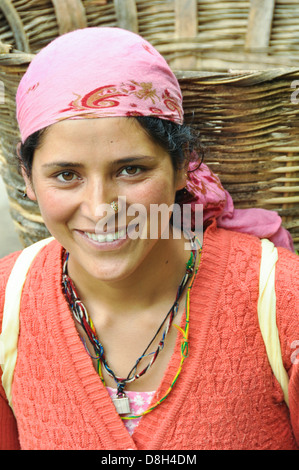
114, 206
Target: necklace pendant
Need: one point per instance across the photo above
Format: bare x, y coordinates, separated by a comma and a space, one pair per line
122, 404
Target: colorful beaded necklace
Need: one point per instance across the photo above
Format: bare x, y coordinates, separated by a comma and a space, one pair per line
81, 315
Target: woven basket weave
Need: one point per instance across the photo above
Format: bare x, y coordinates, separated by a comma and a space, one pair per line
248, 120
191, 34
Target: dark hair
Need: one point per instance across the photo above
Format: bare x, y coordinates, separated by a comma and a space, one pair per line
180, 141
27, 149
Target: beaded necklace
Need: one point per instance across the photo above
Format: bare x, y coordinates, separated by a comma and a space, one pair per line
81, 315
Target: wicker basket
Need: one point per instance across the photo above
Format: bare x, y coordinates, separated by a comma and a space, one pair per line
248, 120
191, 34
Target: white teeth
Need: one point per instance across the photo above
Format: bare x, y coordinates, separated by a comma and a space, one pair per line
110, 237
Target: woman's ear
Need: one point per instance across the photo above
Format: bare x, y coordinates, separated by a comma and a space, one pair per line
28, 181
182, 176
181, 179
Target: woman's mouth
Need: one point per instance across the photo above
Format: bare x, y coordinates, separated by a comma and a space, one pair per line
108, 237
107, 241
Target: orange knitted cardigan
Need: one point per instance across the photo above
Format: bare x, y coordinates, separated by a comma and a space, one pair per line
226, 396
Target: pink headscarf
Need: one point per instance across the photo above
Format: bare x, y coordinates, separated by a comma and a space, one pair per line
96, 72
102, 72
205, 188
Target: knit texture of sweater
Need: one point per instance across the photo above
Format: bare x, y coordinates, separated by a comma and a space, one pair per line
226, 396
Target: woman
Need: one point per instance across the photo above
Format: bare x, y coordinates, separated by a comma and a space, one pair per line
131, 335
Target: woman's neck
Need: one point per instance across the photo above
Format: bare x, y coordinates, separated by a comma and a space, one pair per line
158, 276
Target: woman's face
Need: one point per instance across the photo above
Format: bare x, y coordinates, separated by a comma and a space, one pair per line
83, 165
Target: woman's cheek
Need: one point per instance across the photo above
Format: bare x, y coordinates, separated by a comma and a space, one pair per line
53, 207
158, 193
154, 219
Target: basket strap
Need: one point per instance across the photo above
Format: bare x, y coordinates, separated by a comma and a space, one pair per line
126, 14
15, 22
186, 29
10, 323
267, 314
259, 25
70, 15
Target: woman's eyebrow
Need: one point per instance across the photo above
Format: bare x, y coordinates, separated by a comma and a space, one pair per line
62, 165
132, 159
120, 161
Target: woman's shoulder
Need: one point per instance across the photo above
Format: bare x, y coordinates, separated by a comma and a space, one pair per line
48, 248
236, 248
287, 301
241, 242
45, 257
6, 265
9, 259
229, 238
240, 252
287, 277
288, 264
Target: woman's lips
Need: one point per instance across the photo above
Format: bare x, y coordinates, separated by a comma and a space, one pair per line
110, 239
104, 242
106, 237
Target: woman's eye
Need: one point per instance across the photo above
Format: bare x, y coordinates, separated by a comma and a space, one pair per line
131, 170
66, 177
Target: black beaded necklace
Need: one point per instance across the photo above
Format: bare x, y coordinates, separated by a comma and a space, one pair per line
81, 315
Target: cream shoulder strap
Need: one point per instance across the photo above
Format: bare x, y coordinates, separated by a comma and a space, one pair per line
267, 314
10, 322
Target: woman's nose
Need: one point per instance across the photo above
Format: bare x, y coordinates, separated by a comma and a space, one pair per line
96, 198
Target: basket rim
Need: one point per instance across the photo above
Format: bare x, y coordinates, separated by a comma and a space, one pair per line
20, 58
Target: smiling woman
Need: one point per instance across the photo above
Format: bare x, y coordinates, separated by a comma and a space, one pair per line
82, 165
123, 331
